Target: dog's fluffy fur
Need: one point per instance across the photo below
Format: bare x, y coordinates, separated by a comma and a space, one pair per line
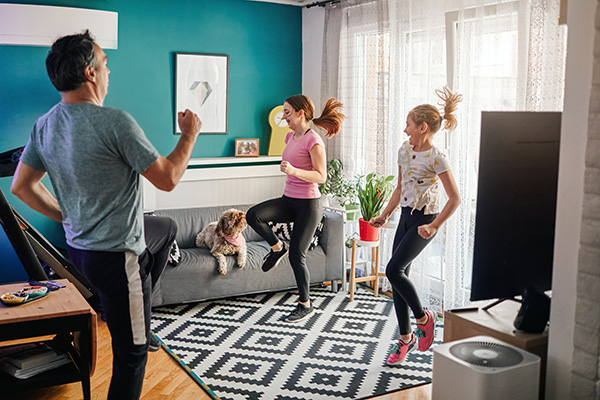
231, 223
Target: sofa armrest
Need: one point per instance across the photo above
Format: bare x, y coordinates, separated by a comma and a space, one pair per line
332, 239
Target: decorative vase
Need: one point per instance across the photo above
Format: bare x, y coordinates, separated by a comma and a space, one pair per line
349, 254
355, 208
367, 232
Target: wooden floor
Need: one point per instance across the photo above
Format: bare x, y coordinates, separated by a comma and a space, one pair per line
164, 379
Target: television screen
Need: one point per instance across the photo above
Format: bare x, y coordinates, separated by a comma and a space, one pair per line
516, 204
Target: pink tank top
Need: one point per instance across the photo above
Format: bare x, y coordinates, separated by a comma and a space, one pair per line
297, 153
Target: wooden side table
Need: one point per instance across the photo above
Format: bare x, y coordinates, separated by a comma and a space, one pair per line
62, 312
375, 274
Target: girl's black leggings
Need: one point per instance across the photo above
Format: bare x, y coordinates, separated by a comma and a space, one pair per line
407, 246
306, 215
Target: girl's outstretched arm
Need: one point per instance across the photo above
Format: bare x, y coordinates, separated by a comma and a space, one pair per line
426, 231
382, 218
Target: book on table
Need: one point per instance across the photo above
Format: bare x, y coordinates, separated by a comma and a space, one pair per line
25, 360
20, 373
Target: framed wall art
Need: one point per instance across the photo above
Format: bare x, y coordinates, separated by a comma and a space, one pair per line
246, 147
201, 85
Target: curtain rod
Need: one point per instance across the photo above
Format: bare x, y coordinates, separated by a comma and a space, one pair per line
322, 3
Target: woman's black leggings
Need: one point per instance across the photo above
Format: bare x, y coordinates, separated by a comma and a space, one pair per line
306, 215
407, 246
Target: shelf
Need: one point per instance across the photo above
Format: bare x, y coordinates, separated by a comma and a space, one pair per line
217, 162
67, 373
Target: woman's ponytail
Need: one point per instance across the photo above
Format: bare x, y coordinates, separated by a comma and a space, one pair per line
331, 118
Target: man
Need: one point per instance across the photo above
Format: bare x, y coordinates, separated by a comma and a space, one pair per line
94, 156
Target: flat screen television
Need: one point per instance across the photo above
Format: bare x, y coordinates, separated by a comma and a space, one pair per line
516, 204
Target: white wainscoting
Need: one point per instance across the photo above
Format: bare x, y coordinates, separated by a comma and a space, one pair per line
220, 181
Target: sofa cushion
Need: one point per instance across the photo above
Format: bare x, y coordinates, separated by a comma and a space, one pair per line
283, 230
174, 254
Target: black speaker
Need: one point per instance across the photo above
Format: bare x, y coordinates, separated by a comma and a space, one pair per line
534, 313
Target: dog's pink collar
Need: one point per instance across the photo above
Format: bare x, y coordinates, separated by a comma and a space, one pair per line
234, 240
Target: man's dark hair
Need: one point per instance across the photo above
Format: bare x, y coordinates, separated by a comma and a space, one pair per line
67, 60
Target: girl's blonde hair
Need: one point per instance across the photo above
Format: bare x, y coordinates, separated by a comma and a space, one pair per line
331, 118
431, 115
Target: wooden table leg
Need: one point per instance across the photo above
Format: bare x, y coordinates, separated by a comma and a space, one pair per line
86, 360
352, 270
376, 272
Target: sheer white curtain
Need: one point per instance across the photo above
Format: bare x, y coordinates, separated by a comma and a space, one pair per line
382, 58
506, 56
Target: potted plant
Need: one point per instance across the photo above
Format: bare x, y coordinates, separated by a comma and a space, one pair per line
348, 198
348, 244
341, 189
335, 178
377, 189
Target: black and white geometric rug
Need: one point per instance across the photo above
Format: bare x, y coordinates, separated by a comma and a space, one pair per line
240, 348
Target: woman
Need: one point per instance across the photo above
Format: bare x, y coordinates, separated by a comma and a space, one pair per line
304, 163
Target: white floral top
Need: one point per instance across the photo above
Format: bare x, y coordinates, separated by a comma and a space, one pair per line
420, 181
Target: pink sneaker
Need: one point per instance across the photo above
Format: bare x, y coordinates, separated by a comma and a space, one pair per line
400, 350
426, 332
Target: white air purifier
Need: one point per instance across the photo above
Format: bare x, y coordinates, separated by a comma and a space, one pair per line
484, 368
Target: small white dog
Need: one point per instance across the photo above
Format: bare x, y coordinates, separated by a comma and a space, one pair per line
224, 237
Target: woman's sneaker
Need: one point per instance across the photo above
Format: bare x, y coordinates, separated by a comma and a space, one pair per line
273, 258
401, 349
300, 313
426, 331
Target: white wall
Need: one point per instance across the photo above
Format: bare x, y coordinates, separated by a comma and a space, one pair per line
578, 82
313, 20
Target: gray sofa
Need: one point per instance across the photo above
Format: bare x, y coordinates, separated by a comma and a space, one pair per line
197, 278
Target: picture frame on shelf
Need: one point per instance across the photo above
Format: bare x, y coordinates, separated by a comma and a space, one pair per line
202, 85
246, 147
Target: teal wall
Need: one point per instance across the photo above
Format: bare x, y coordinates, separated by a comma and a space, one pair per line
264, 44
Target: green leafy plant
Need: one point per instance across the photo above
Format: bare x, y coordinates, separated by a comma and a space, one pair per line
348, 193
377, 189
335, 178
344, 190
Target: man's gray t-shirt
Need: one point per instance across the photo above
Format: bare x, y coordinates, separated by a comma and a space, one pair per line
94, 157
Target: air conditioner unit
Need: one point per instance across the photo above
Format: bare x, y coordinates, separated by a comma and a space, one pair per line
484, 368
33, 25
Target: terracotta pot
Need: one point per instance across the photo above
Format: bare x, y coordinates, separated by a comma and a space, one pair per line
367, 232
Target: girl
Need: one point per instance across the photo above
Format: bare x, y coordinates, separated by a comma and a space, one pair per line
421, 166
303, 160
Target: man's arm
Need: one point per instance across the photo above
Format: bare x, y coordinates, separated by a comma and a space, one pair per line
165, 173
27, 185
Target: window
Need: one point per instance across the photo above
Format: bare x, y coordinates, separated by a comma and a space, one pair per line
393, 55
